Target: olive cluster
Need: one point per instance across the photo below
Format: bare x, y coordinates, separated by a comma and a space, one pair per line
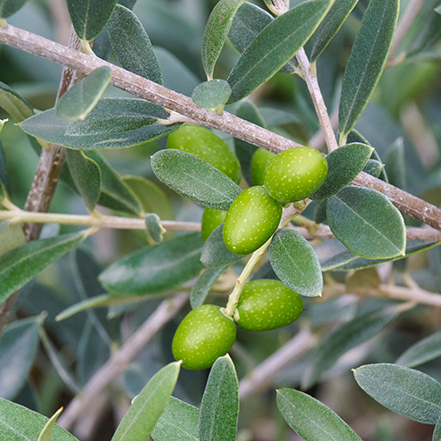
206, 333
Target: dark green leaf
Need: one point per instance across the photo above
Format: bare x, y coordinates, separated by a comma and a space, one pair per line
48, 429
202, 287
9, 7
330, 25
311, 419
155, 269
244, 151
344, 338
344, 164
367, 60
86, 174
215, 254
13, 103
18, 349
179, 422
374, 168
47, 126
404, 391
194, 178
154, 228
90, 16
425, 350
248, 22
216, 32
367, 223
395, 164
132, 45
20, 424
22, 264
220, 403
80, 100
275, 46
344, 262
295, 263
211, 94
320, 212
147, 407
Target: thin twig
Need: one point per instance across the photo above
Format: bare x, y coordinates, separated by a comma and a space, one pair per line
227, 123
121, 359
318, 140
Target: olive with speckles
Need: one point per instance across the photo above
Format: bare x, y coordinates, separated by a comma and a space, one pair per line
267, 304
204, 335
204, 144
211, 219
259, 162
295, 173
251, 220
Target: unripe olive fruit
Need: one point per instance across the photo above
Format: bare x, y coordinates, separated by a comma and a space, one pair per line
295, 173
204, 144
204, 335
211, 219
251, 220
259, 162
267, 304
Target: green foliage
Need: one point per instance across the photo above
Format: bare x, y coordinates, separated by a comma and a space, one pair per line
147, 407
367, 223
220, 403
195, 179
212, 94
274, 46
202, 287
132, 45
48, 429
14, 104
155, 269
10, 7
312, 420
366, 62
404, 391
154, 228
80, 100
295, 263
425, 350
204, 335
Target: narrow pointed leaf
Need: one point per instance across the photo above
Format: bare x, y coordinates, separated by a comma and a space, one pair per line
18, 349
10, 7
215, 254
311, 419
405, 391
21, 424
13, 103
275, 46
86, 174
22, 264
194, 178
132, 45
395, 163
344, 338
374, 168
48, 429
367, 223
333, 21
179, 422
367, 60
220, 403
344, 164
202, 287
90, 16
295, 263
155, 269
211, 94
216, 32
80, 100
337, 261
425, 350
154, 228
147, 407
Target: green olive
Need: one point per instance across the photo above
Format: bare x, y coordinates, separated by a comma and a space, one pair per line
295, 173
259, 163
204, 335
211, 219
204, 144
251, 220
267, 304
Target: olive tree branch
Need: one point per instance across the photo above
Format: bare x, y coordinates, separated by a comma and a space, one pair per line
184, 105
121, 359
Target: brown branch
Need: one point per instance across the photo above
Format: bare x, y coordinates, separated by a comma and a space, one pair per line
184, 105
